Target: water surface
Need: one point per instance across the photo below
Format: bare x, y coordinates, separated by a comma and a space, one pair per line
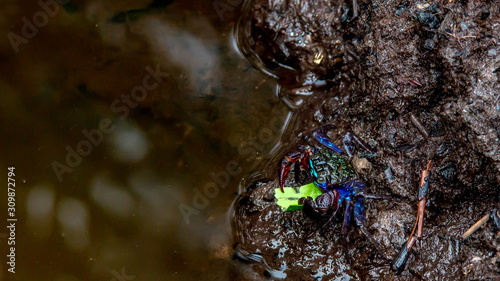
114, 211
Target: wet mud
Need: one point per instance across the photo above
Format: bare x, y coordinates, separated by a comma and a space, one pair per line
422, 83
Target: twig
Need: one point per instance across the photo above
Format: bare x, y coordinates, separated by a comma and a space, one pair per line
399, 262
475, 227
458, 38
419, 125
261, 82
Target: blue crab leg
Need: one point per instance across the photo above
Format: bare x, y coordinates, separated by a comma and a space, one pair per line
319, 135
359, 189
359, 217
376, 196
347, 215
349, 142
345, 225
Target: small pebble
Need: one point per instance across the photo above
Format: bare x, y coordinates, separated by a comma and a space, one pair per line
399, 11
463, 26
429, 19
361, 164
425, 17
423, 6
429, 44
388, 174
492, 52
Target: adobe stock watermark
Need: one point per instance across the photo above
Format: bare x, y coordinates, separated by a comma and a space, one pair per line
30, 28
222, 179
223, 6
94, 137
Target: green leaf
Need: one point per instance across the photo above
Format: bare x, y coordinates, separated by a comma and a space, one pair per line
289, 200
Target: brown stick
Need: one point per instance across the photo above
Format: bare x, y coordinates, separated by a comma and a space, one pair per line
419, 223
421, 211
419, 126
399, 262
424, 177
475, 227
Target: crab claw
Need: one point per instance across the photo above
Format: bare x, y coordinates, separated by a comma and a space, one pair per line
286, 164
323, 204
301, 155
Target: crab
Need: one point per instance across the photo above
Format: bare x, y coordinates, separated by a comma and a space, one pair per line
332, 172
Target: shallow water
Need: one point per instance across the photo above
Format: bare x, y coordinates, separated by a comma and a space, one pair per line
102, 183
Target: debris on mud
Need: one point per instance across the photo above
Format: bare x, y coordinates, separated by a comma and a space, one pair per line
424, 85
307, 43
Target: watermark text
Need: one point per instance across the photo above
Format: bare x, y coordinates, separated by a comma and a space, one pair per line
11, 219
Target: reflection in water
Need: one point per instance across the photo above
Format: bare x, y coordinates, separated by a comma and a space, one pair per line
186, 51
157, 207
40, 211
113, 199
129, 144
118, 209
73, 216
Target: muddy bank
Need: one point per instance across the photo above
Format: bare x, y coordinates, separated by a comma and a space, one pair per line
424, 86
